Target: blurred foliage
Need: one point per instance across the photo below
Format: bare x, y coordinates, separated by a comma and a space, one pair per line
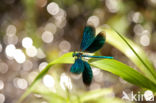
134, 20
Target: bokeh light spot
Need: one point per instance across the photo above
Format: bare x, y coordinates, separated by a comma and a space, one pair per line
19, 56
9, 50
1, 48
27, 65
53, 8
1, 84
65, 46
93, 20
145, 40
3, 67
137, 17
11, 30
2, 98
48, 81
32, 51
21, 83
27, 42
12, 39
47, 37
65, 82
112, 5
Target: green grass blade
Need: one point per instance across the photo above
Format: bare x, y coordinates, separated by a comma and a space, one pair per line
125, 72
132, 51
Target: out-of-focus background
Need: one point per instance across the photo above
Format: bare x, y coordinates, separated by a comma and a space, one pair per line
35, 32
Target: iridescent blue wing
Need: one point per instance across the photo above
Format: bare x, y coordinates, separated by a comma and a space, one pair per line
88, 37
77, 67
87, 74
97, 43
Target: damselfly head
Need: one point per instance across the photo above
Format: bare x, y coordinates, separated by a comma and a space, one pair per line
74, 54
78, 55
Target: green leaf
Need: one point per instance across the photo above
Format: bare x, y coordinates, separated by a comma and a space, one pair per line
125, 72
131, 50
